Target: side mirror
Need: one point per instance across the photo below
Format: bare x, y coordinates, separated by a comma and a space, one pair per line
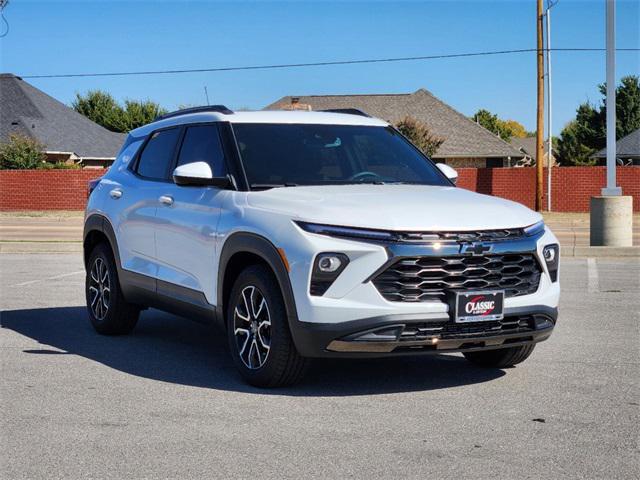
449, 172
197, 174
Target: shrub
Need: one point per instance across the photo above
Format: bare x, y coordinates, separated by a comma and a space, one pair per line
21, 152
420, 135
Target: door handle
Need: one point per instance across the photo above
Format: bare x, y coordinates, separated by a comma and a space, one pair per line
166, 199
116, 193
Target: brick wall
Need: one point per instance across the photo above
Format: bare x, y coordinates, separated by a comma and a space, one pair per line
571, 186
45, 189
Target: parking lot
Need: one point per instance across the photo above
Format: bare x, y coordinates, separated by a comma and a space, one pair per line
167, 402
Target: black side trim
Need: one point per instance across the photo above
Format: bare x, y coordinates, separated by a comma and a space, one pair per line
243, 242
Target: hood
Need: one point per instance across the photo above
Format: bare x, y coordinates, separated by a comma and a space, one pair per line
395, 207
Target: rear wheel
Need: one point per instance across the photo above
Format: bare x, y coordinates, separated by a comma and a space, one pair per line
501, 358
258, 331
109, 312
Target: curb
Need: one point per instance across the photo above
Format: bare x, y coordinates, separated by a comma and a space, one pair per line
40, 247
587, 251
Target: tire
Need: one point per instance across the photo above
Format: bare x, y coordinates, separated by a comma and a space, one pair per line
258, 331
109, 312
501, 358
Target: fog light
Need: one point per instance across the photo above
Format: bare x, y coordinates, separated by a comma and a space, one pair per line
326, 268
551, 258
549, 254
329, 263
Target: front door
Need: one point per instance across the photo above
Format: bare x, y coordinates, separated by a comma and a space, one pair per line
187, 219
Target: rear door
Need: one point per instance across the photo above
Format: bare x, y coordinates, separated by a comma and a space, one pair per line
186, 228
138, 198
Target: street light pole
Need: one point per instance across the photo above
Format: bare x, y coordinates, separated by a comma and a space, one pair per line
611, 213
539, 109
611, 188
550, 4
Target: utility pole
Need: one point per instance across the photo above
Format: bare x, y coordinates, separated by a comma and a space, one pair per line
540, 112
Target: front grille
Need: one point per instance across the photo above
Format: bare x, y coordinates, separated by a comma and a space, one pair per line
449, 330
422, 279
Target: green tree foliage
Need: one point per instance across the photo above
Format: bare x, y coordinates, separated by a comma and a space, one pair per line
505, 129
420, 135
103, 109
587, 134
21, 152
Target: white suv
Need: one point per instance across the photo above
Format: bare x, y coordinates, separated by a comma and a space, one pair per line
313, 234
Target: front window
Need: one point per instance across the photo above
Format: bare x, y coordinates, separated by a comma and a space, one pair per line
299, 154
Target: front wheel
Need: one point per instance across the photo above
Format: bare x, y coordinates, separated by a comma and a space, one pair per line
258, 331
501, 358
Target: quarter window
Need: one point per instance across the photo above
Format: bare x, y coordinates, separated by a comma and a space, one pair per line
202, 144
157, 155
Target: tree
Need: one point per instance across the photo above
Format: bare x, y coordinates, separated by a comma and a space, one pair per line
420, 135
21, 152
570, 149
103, 109
587, 134
505, 129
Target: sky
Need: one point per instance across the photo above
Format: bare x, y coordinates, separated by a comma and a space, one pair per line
55, 37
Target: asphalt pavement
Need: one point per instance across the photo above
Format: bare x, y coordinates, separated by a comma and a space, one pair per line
166, 402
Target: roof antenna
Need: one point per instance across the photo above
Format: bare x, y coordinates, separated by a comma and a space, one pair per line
206, 94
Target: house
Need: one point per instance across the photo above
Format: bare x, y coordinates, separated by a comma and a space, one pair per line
466, 144
527, 146
627, 150
66, 135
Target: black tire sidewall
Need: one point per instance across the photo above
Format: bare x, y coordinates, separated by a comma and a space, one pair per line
281, 344
121, 317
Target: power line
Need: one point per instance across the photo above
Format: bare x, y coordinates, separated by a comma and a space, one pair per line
315, 64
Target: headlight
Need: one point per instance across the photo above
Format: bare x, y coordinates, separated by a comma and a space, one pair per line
534, 229
346, 232
326, 268
551, 254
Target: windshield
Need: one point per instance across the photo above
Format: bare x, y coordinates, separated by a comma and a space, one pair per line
299, 154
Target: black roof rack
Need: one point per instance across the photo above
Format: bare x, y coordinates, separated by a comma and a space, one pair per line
348, 111
206, 108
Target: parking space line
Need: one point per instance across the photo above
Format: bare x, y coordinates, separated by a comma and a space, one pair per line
55, 277
592, 275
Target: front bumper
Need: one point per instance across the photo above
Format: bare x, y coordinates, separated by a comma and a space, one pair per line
400, 334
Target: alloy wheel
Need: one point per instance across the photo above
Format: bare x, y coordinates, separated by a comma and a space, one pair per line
252, 327
99, 289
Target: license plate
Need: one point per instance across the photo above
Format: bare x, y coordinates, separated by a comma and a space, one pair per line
479, 306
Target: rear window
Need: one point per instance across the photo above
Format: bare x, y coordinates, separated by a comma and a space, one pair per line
155, 160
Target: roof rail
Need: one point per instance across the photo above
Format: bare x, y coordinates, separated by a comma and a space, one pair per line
185, 111
348, 111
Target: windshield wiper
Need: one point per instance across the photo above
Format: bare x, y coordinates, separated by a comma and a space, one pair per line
266, 186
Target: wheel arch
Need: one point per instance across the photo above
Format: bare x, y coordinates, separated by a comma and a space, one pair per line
98, 229
241, 250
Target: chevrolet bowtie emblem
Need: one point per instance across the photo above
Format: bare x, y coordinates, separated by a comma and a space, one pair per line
476, 248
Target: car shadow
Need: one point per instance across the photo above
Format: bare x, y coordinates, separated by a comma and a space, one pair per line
171, 349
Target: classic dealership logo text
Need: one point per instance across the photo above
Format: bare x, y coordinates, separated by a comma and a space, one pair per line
479, 306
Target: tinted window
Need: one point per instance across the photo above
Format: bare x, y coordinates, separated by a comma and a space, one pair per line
276, 154
202, 144
158, 154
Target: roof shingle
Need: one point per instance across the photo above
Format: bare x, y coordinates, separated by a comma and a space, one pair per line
463, 137
31, 112
626, 147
